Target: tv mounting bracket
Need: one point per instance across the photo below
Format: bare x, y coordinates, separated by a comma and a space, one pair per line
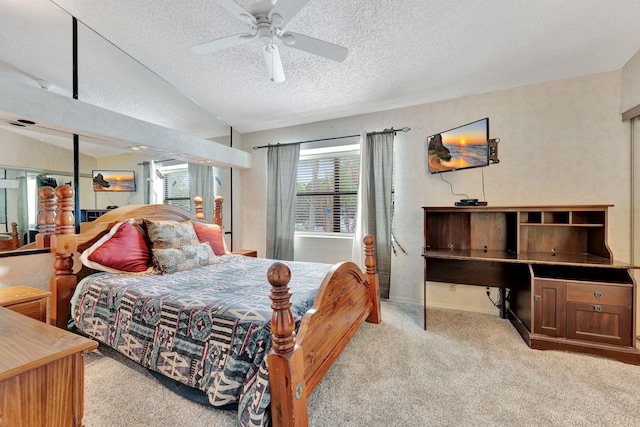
493, 150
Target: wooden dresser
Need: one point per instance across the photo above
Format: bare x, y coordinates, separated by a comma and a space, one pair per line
565, 291
26, 300
41, 373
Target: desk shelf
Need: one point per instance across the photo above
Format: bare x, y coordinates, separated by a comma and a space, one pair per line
539, 253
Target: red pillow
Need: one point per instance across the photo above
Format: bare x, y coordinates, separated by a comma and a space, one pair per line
213, 234
124, 249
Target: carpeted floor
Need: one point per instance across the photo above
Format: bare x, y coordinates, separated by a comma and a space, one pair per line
466, 369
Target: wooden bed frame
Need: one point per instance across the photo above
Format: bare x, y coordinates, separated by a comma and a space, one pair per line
298, 360
13, 242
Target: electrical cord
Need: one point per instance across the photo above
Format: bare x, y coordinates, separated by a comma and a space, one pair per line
497, 303
484, 196
451, 186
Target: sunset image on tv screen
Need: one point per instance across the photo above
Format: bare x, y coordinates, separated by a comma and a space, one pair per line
459, 148
106, 180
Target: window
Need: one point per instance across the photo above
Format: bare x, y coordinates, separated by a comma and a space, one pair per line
327, 191
176, 187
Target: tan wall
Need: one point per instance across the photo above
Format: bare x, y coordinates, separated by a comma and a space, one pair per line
630, 93
561, 143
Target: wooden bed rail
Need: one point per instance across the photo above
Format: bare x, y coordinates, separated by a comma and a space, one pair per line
340, 307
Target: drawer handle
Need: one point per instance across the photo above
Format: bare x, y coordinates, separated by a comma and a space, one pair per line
597, 308
598, 294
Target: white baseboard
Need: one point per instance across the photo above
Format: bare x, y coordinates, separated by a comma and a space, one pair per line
449, 306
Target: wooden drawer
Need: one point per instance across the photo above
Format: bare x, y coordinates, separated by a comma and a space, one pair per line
609, 324
597, 293
35, 309
26, 300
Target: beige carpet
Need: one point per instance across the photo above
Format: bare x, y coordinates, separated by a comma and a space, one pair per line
466, 370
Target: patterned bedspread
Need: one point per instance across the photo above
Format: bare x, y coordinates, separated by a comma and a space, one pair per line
207, 328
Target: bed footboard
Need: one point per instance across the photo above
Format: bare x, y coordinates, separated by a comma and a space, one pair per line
298, 362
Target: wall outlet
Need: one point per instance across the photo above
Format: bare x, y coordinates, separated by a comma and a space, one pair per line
452, 288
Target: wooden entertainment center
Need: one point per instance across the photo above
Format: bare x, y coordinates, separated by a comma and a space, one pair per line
560, 286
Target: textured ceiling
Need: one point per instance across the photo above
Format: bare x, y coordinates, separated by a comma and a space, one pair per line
401, 53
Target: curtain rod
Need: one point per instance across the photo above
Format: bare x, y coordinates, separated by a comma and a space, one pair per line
404, 129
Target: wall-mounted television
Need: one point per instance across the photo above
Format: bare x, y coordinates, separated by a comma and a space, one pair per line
114, 180
463, 147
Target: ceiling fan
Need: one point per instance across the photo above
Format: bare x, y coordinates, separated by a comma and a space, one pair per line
267, 21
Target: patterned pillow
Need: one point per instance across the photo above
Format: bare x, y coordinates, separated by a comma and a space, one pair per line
172, 260
171, 234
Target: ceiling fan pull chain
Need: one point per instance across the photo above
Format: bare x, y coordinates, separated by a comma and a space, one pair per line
272, 79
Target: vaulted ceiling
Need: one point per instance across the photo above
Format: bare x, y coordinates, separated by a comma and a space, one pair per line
135, 57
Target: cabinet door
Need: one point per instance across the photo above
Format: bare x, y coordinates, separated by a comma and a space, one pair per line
609, 324
549, 307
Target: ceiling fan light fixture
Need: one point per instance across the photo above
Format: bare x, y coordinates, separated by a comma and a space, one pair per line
268, 20
276, 21
288, 39
247, 19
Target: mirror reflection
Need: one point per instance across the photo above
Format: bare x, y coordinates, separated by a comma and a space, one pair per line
35, 155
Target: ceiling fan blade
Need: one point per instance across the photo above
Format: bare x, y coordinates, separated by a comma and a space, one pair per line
238, 11
223, 43
315, 46
274, 63
287, 9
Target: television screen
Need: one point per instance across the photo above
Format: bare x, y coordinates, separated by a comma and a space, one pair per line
114, 180
46, 181
459, 148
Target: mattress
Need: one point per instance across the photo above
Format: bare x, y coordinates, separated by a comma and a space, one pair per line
208, 328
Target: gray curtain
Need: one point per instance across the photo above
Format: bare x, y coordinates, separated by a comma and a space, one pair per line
23, 208
282, 162
379, 148
201, 184
146, 180
3, 209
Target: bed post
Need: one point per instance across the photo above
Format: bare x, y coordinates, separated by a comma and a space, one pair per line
197, 201
370, 263
15, 237
46, 216
217, 211
63, 245
286, 367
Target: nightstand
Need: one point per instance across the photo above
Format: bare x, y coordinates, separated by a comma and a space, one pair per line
41, 373
26, 300
246, 252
